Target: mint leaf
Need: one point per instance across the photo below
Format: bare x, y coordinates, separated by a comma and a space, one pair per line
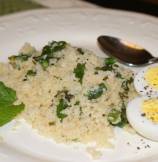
7, 95
8, 111
79, 71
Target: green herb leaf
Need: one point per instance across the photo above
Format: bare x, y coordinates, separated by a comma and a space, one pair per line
7, 95
114, 117
110, 61
48, 53
31, 73
118, 118
96, 92
123, 115
109, 65
79, 71
8, 110
126, 83
77, 103
60, 107
21, 57
16, 59
118, 75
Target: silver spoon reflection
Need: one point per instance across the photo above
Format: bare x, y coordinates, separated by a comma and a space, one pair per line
127, 53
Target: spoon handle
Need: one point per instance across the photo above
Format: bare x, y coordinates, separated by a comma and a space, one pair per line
153, 60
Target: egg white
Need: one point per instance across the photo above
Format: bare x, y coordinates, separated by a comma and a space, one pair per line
141, 124
141, 85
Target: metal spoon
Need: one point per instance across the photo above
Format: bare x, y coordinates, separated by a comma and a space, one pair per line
127, 53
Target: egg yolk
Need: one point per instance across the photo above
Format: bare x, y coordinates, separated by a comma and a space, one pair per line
150, 109
151, 76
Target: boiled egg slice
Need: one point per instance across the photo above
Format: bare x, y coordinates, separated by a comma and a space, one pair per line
146, 81
142, 114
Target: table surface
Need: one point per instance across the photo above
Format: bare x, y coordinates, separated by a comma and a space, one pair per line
143, 6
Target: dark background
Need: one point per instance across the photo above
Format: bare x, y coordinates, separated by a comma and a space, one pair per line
141, 6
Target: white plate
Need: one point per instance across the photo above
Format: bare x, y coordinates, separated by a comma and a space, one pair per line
81, 28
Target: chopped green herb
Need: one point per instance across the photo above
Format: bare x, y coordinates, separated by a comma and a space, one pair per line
123, 95
117, 118
48, 53
44, 63
126, 83
118, 75
114, 117
109, 65
96, 92
79, 71
64, 93
31, 73
110, 61
8, 111
77, 103
123, 115
80, 50
14, 60
68, 96
21, 57
60, 107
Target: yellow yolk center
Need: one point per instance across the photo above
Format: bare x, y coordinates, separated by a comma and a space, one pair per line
150, 109
151, 76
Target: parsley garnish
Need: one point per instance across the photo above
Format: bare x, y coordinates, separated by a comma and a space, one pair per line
118, 118
77, 103
48, 53
96, 92
118, 75
60, 107
31, 73
21, 57
15, 59
8, 111
109, 64
109, 61
114, 117
79, 71
126, 83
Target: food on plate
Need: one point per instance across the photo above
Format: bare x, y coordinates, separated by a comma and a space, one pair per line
146, 81
142, 113
68, 93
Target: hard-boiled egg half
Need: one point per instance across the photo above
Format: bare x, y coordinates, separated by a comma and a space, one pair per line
146, 81
142, 114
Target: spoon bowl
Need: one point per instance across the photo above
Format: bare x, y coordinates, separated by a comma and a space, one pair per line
125, 52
